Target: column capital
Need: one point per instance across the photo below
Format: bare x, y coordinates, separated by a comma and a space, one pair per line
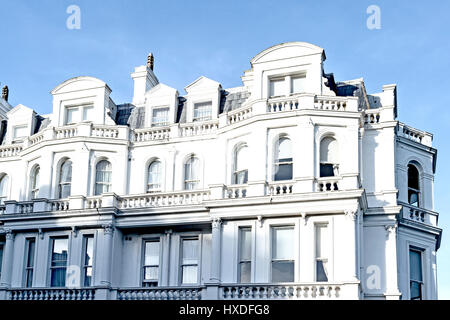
108, 228
216, 223
390, 229
9, 234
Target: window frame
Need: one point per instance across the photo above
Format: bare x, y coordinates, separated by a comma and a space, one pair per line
61, 184
335, 166
144, 266
291, 227
160, 182
276, 160
35, 185
4, 197
244, 261
195, 183
321, 258
202, 118
237, 173
160, 124
416, 191
421, 283
199, 238
50, 266
27, 282
101, 182
2, 247
84, 266
80, 113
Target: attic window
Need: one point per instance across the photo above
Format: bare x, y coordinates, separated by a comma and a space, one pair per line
298, 84
20, 132
277, 87
202, 111
160, 117
79, 113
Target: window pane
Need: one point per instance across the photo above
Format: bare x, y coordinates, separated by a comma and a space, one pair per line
88, 113
3, 188
72, 115
283, 271
1, 258
321, 271
88, 276
154, 175
151, 253
283, 244
413, 177
242, 157
284, 150
30, 255
59, 254
160, 116
20, 132
190, 251
202, 111
245, 270
277, 87
89, 251
58, 277
189, 274
326, 170
298, 84
415, 265
413, 198
283, 172
416, 291
329, 152
151, 273
322, 241
246, 244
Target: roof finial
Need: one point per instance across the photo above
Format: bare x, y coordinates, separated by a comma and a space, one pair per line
5, 93
150, 61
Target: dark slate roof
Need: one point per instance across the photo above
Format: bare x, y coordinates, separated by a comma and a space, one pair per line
128, 114
41, 124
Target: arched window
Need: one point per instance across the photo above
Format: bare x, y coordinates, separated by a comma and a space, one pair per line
240, 172
35, 182
413, 185
3, 188
283, 160
103, 173
192, 173
154, 176
65, 179
329, 157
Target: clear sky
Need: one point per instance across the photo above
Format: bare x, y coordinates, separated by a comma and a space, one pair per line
218, 38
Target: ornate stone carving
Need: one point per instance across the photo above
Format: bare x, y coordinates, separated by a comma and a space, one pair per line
304, 218
41, 234
351, 214
150, 61
74, 232
260, 221
9, 234
216, 223
108, 228
390, 229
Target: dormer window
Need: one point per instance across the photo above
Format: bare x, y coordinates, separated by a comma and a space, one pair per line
79, 114
160, 116
20, 132
286, 85
202, 111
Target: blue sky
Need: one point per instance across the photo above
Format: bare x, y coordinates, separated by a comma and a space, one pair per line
218, 38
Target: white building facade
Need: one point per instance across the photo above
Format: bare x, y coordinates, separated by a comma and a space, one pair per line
292, 186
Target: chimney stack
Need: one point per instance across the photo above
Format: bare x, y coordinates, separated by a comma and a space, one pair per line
150, 61
5, 93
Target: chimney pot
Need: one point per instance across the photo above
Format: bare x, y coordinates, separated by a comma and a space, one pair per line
150, 61
5, 93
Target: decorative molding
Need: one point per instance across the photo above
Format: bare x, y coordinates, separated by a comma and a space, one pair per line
351, 214
9, 234
390, 229
41, 234
304, 218
260, 221
75, 232
108, 228
216, 223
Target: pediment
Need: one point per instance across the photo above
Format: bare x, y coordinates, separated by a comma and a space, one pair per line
202, 83
78, 84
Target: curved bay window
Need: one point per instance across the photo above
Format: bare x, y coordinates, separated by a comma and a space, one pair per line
283, 160
3, 188
329, 157
35, 182
192, 173
154, 177
240, 172
103, 173
413, 185
65, 179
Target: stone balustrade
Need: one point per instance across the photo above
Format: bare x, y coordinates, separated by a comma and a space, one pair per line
236, 191
421, 215
10, 151
413, 134
165, 199
52, 294
160, 293
198, 128
280, 188
239, 115
151, 134
320, 291
327, 184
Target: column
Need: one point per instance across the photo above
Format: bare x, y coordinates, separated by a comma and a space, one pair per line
105, 262
8, 254
392, 292
166, 259
212, 287
352, 217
